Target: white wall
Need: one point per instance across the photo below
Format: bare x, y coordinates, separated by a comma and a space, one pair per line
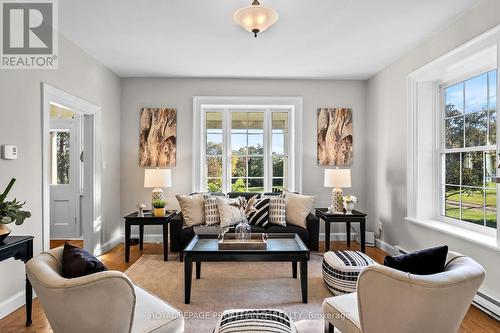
178, 93
20, 124
386, 144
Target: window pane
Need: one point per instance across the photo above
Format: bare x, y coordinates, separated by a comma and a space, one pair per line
256, 167
238, 185
280, 122
490, 165
255, 144
256, 122
239, 123
491, 208
454, 100
239, 166
452, 169
476, 129
452, 202
278, 183
492, 82
214, 167
454, 132
214, 121
239, 144
278, 142
256, 184
60, 142
472, 169
476, 94
214, 185
214, 144
280, 166
473, 205
493, 128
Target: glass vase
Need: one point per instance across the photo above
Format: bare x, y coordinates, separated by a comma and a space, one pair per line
243, 230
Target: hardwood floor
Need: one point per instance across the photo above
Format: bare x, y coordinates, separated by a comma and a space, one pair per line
475, 321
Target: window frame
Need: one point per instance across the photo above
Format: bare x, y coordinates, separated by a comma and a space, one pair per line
268, 105
442, 150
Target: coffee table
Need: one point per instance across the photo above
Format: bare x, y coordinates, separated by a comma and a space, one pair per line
280, 248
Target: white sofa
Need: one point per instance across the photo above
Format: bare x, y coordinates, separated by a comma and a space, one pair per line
391, 301
101, 302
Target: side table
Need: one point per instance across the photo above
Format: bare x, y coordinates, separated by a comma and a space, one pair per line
147, 219
355, 217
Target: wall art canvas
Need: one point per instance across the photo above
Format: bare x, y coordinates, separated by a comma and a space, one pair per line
158, 140
334, 136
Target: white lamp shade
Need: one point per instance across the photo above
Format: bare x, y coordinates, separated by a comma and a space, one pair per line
157, 178
255, 18
337, 178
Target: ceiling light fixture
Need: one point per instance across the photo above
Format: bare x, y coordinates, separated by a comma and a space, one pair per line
255, 18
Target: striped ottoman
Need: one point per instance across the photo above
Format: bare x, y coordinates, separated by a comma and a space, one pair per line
341, 270
255, 320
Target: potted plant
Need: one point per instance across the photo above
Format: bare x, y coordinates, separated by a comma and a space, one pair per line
349, 202
159, 207
10, 211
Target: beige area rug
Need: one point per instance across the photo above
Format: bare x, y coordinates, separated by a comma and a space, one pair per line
234, 285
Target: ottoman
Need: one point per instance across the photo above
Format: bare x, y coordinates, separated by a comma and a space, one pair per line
341, 270
255, 320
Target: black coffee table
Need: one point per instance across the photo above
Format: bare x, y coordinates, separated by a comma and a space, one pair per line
280, 248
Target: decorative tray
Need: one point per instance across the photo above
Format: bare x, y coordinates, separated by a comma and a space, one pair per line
257, 241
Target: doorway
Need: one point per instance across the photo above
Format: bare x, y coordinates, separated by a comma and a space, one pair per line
71, 171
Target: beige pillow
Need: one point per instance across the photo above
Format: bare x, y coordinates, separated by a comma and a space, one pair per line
297, 208
192, 208
229, 211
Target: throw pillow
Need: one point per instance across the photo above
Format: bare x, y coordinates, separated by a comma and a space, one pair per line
260, 216
212, 216
423, 262
229, 211
77, 262
297, 208
192, 208
277, 210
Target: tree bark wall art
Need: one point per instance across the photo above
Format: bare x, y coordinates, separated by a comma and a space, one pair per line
158, 139
334, 136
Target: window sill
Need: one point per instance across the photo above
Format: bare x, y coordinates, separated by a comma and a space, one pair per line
462, 233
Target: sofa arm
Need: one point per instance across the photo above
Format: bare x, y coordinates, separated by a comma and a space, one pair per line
176, 224
313, 229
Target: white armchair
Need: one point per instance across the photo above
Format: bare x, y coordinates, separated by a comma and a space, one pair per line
392, 301
101, 302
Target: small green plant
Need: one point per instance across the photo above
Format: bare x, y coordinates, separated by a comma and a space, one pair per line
159, 203
10, 211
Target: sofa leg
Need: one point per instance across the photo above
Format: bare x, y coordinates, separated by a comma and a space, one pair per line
331, 328
181, 256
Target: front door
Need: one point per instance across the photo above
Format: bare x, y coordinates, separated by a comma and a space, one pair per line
64, 188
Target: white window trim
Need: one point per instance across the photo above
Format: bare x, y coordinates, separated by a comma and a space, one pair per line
294, 104
422, 85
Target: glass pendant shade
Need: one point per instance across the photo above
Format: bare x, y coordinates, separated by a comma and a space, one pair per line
255, 18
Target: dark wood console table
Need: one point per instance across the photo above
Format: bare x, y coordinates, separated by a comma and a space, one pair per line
323, 214
20, 248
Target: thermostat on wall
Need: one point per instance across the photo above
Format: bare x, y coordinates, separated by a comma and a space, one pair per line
9, 152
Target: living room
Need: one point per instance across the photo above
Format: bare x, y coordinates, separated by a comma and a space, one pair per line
317, 111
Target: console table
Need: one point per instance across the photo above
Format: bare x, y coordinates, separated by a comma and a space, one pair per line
141, 221
20, 248
355, 217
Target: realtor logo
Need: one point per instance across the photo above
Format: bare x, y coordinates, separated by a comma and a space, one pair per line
29, 34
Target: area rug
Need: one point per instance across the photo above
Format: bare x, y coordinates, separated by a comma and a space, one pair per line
234, 285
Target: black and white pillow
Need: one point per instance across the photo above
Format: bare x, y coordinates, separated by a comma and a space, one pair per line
212, 216
260, 216
277, 210
250, 320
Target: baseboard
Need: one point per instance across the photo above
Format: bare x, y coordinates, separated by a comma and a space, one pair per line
13, 303
110, 245
337, 236
385, 246
150, 238
487, 303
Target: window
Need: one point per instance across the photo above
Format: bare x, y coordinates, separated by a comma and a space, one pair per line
60, 156
469, 150
246, 146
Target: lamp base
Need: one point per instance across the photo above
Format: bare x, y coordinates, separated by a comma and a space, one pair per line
337, 206
157, 194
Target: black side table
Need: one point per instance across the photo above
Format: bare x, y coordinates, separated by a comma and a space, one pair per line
20, 248
355, 217
147, 219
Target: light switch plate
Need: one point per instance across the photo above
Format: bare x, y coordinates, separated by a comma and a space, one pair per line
9, 152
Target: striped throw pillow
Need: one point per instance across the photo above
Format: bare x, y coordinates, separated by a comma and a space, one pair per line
277, 210
261, 215
272, 321
212, 216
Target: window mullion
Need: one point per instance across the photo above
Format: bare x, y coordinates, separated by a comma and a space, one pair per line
226, 125
268, 159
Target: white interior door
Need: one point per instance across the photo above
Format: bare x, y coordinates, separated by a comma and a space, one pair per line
65, 179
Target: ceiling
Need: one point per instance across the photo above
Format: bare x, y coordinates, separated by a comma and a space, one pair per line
325, 39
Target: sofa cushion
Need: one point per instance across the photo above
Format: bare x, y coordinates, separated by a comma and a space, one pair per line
193, 209
77, 262
423, 262
289, 229
297, 208
277, 210
212, 216
342, 312
261, 214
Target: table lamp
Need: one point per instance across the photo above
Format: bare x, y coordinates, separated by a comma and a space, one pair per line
337, 178
157, 178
